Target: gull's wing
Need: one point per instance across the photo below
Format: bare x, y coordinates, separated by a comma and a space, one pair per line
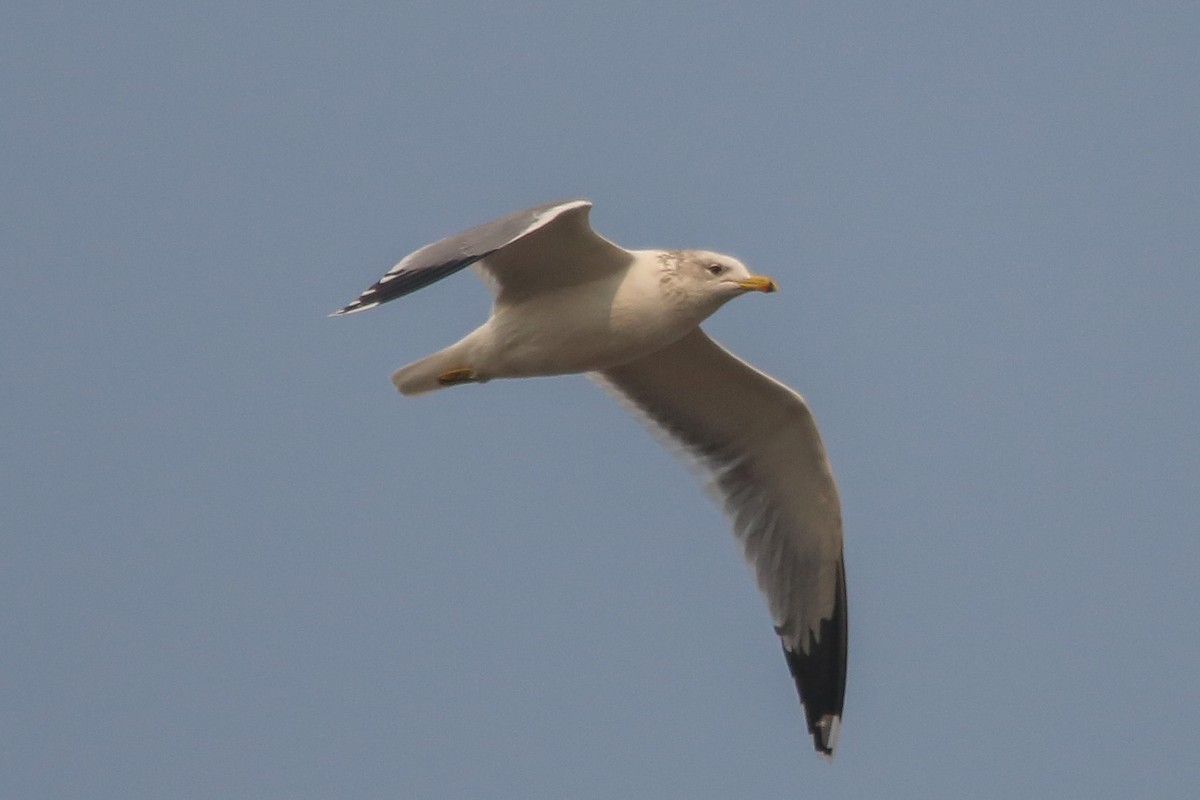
531, 250
757, 446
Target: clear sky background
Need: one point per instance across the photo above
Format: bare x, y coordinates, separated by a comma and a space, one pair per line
234, 563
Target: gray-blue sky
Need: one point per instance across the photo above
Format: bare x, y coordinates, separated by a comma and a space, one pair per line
237, 564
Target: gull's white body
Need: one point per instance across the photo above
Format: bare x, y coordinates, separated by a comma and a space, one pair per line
567, 300
585, 327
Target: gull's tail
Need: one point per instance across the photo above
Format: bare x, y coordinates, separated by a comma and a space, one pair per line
423, 376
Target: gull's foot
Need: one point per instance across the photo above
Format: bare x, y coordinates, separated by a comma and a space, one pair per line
457, 376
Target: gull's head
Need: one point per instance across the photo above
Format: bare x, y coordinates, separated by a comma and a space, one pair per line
712, 279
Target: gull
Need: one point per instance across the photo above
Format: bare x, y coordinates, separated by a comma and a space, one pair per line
566, 300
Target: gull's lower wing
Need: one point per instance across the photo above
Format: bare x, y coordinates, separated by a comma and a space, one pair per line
758, 449
447, 256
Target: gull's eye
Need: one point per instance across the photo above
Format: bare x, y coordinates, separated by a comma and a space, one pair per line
715, 269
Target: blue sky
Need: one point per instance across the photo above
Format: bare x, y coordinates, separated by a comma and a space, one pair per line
236, 564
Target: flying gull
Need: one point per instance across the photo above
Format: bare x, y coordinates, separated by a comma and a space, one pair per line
568, 300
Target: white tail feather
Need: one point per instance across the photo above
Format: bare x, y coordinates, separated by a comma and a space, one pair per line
422, 376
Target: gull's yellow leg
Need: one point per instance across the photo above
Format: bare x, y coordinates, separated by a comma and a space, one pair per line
456, 376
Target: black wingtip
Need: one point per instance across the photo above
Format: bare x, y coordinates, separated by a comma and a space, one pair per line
820, 674
357, 305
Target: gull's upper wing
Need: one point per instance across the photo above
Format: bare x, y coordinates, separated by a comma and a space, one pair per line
531, 250
758, 448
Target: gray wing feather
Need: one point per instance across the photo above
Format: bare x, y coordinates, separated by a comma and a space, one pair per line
447, 256
759, 452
